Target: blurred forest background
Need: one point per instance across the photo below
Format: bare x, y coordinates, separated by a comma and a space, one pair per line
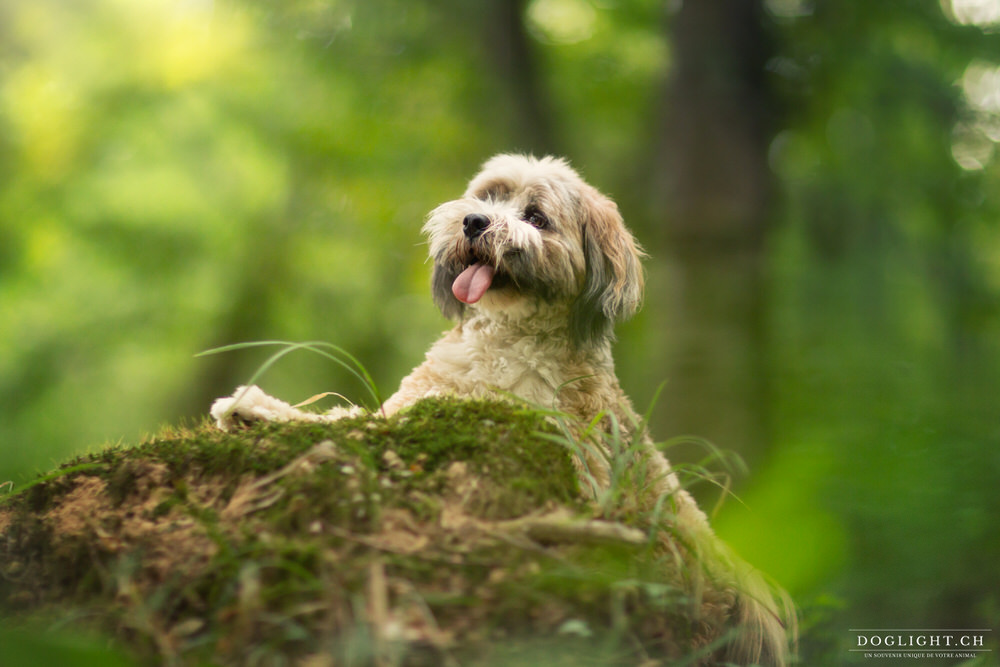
815, 182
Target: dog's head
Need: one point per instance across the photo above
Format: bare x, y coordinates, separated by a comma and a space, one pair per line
531, 232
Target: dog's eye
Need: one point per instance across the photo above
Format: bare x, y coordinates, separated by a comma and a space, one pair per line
536, 219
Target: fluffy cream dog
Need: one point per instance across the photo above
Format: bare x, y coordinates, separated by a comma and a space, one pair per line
537, 266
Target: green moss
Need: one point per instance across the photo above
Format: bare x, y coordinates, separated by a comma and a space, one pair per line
496, 439
277, 540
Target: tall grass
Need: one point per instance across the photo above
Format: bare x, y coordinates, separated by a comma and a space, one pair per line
329, 351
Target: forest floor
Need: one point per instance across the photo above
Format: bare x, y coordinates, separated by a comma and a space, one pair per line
452, 533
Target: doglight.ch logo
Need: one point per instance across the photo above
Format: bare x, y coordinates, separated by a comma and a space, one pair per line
916, 644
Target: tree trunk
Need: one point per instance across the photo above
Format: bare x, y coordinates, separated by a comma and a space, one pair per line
714, 186
513, 54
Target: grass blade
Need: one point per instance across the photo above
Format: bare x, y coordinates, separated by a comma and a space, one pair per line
334, 353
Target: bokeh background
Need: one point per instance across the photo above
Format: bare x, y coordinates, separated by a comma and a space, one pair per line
815, 182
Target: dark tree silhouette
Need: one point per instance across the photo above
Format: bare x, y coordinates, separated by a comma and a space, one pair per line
714, 189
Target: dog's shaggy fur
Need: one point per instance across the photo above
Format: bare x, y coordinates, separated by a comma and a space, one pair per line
537, 266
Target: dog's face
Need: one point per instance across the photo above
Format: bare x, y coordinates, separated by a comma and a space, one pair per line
532, 232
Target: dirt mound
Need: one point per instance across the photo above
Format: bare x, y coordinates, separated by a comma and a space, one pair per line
453, 533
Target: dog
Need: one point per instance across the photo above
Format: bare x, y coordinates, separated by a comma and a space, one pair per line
537, 266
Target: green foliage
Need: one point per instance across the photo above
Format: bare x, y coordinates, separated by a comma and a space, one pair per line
35, 648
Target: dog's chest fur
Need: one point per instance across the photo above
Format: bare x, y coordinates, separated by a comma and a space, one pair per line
483, 356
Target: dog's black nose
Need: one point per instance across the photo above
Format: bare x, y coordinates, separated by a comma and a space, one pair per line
474, 224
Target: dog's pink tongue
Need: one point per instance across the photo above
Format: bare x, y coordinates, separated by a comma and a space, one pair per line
471, 284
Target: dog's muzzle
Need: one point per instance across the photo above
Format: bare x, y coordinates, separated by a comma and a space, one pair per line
471, 284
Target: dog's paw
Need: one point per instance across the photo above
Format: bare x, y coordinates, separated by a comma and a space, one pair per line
250, 404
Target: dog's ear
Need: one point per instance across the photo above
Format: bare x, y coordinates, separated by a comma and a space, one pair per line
613, 283
441, 281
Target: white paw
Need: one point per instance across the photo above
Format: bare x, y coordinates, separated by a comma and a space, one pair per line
250, 404
340, 412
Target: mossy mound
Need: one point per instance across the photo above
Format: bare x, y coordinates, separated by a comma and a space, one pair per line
452, 533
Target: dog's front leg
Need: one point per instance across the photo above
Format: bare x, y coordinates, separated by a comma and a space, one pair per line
250, 404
